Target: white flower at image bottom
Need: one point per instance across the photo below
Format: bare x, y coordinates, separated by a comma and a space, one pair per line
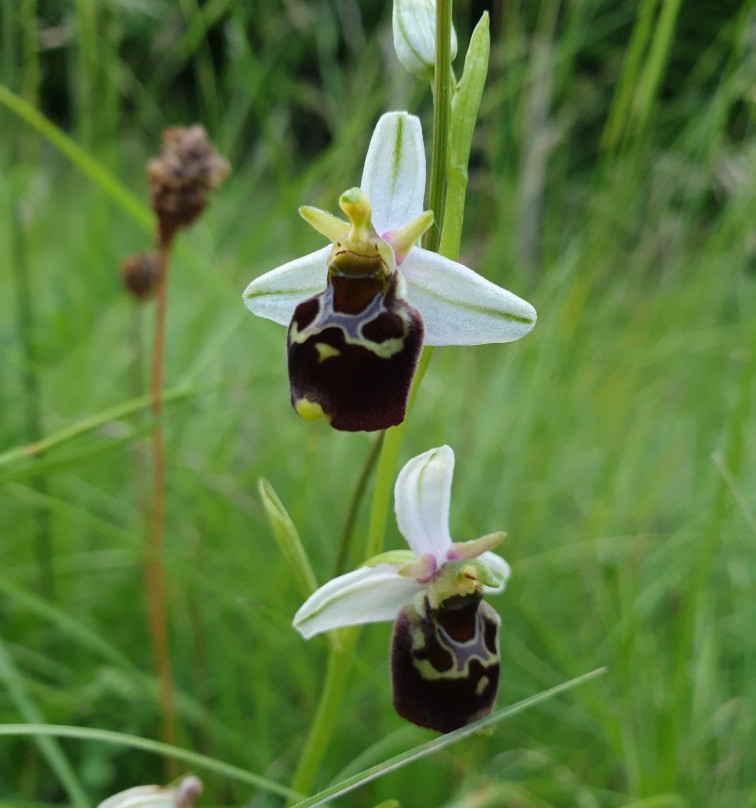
444, 653
183, 795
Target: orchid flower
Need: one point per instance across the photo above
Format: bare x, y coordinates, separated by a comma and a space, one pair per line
183, 795
359, 310
444, 652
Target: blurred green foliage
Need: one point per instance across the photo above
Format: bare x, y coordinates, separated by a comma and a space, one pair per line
611, 184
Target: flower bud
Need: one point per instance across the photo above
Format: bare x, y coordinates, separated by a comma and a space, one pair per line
414, 24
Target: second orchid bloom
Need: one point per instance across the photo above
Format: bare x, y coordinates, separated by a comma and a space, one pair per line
360, 309
444, 649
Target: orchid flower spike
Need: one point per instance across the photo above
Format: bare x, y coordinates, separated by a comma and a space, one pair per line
183, 795
444, 650
359, 310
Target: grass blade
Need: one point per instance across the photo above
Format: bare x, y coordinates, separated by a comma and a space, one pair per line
431, 747
49, 748
148, 745
119, 193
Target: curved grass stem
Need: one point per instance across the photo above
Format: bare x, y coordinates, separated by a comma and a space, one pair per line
154, 566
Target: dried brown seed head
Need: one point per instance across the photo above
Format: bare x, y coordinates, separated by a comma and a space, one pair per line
141, 274
182, 177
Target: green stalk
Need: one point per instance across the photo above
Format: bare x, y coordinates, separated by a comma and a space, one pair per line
24, 151
32, 396
342, 647
354, 504
321, 730
442, 93
622, 100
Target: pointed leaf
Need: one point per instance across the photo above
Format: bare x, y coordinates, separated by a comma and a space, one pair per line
287, 539
460, 307
464, 111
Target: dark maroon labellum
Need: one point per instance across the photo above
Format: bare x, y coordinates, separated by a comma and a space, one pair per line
352, 353
445, 663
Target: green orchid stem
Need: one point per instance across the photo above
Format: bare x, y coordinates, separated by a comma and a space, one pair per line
343, 642
324, 723
354, 504
442, 93
384, 478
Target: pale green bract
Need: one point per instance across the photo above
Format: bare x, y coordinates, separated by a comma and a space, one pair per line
435, 568
458, 306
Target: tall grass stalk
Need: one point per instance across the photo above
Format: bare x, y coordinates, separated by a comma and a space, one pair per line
31, 391
25, 151
154, 562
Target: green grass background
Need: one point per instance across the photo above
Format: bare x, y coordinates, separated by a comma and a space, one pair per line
612, 184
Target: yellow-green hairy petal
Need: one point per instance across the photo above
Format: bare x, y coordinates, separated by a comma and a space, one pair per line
397, 558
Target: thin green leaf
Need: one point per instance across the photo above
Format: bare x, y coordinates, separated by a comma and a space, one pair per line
49, 748
431, 747
125, 199
88, 424
156, 747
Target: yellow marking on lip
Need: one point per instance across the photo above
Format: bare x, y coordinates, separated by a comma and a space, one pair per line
309, 410
326, 351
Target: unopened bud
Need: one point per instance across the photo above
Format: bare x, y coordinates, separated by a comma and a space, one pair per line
414, 24
182, 177
142, 273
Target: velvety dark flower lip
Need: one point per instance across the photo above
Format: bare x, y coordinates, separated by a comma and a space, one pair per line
457, 305
434, 570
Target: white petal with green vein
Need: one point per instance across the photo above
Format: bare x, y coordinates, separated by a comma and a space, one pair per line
421, 500
277, 293
367, 595
394, 175
460, 307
